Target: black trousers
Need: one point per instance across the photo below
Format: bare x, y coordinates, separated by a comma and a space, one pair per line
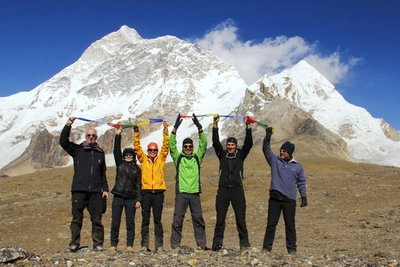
275, 208
153, 201
91, 201
226, 196
118, 205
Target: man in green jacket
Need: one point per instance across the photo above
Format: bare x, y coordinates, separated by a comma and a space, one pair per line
188, 187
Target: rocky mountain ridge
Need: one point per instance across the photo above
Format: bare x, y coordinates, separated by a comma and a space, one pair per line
127, 79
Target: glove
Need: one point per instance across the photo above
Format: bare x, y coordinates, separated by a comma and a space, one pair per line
136, 128
178, 121
196, 122
303, 202
268, 133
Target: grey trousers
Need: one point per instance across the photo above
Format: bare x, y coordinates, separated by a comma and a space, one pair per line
182, 201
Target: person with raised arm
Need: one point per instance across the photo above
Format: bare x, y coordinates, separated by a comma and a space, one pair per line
153, 186
126, 191
89, 184
230, 185
188, 186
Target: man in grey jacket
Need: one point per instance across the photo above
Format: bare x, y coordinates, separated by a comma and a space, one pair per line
286, 175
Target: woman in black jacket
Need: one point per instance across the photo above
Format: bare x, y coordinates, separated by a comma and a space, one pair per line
126, 193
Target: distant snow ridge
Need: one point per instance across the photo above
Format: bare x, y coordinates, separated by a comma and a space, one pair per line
306, 88
123, 77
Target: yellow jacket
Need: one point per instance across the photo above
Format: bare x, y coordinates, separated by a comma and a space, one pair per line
152, 172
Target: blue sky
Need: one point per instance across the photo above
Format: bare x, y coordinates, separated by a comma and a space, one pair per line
355, 44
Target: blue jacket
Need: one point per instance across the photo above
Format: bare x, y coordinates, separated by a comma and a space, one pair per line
285, 176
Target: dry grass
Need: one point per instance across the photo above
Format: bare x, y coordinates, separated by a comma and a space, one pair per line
354, 209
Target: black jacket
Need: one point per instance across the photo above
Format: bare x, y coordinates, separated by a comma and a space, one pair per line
89, 164
128, 181
231, 168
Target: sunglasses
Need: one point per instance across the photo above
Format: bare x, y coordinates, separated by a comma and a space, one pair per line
152, 150
90, 135
128, 155
283, 151
188, 146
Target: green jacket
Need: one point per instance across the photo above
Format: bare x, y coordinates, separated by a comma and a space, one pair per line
187, 166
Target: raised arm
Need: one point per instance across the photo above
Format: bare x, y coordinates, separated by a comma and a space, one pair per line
215, 137
248, 141
269, 155
136, 144
117, 146
67, 145
164, 149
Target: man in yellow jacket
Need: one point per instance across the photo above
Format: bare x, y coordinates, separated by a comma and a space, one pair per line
153, 186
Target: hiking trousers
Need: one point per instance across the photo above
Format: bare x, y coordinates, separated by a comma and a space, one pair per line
91, 201
288, 209
182, 201
152, 201
236, 197
118, 205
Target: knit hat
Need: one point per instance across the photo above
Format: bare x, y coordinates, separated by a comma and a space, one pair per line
231, 140
129, 150
289, 147
187, 141
152, 144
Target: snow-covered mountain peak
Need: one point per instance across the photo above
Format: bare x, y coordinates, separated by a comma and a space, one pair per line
125, 78
309, 90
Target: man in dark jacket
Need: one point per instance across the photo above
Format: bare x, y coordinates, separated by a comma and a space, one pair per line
230, 187
286, 175
89, 184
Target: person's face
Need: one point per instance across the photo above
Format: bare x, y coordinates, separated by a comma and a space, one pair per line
283, 154
152, 152
187, 149
230, 147
128, 157
91, 136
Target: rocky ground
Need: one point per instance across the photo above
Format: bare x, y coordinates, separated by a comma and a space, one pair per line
353, 219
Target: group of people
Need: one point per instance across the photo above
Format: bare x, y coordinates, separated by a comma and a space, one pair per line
144, 187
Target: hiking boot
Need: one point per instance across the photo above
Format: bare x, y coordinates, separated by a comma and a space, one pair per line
113, 248
176, 250
144, 249
160, 249
201, 249
292, 252
129, 249
98, 248
73, 248
216, 247
244, 248
265, 250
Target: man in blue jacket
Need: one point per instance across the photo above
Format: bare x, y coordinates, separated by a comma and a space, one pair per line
89, 184
286, 175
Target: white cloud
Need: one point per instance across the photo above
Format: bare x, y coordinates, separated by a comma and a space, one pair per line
271, 56
331, 67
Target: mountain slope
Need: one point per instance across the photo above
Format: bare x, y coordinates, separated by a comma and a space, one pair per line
368, 139
125, 78
121, 77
